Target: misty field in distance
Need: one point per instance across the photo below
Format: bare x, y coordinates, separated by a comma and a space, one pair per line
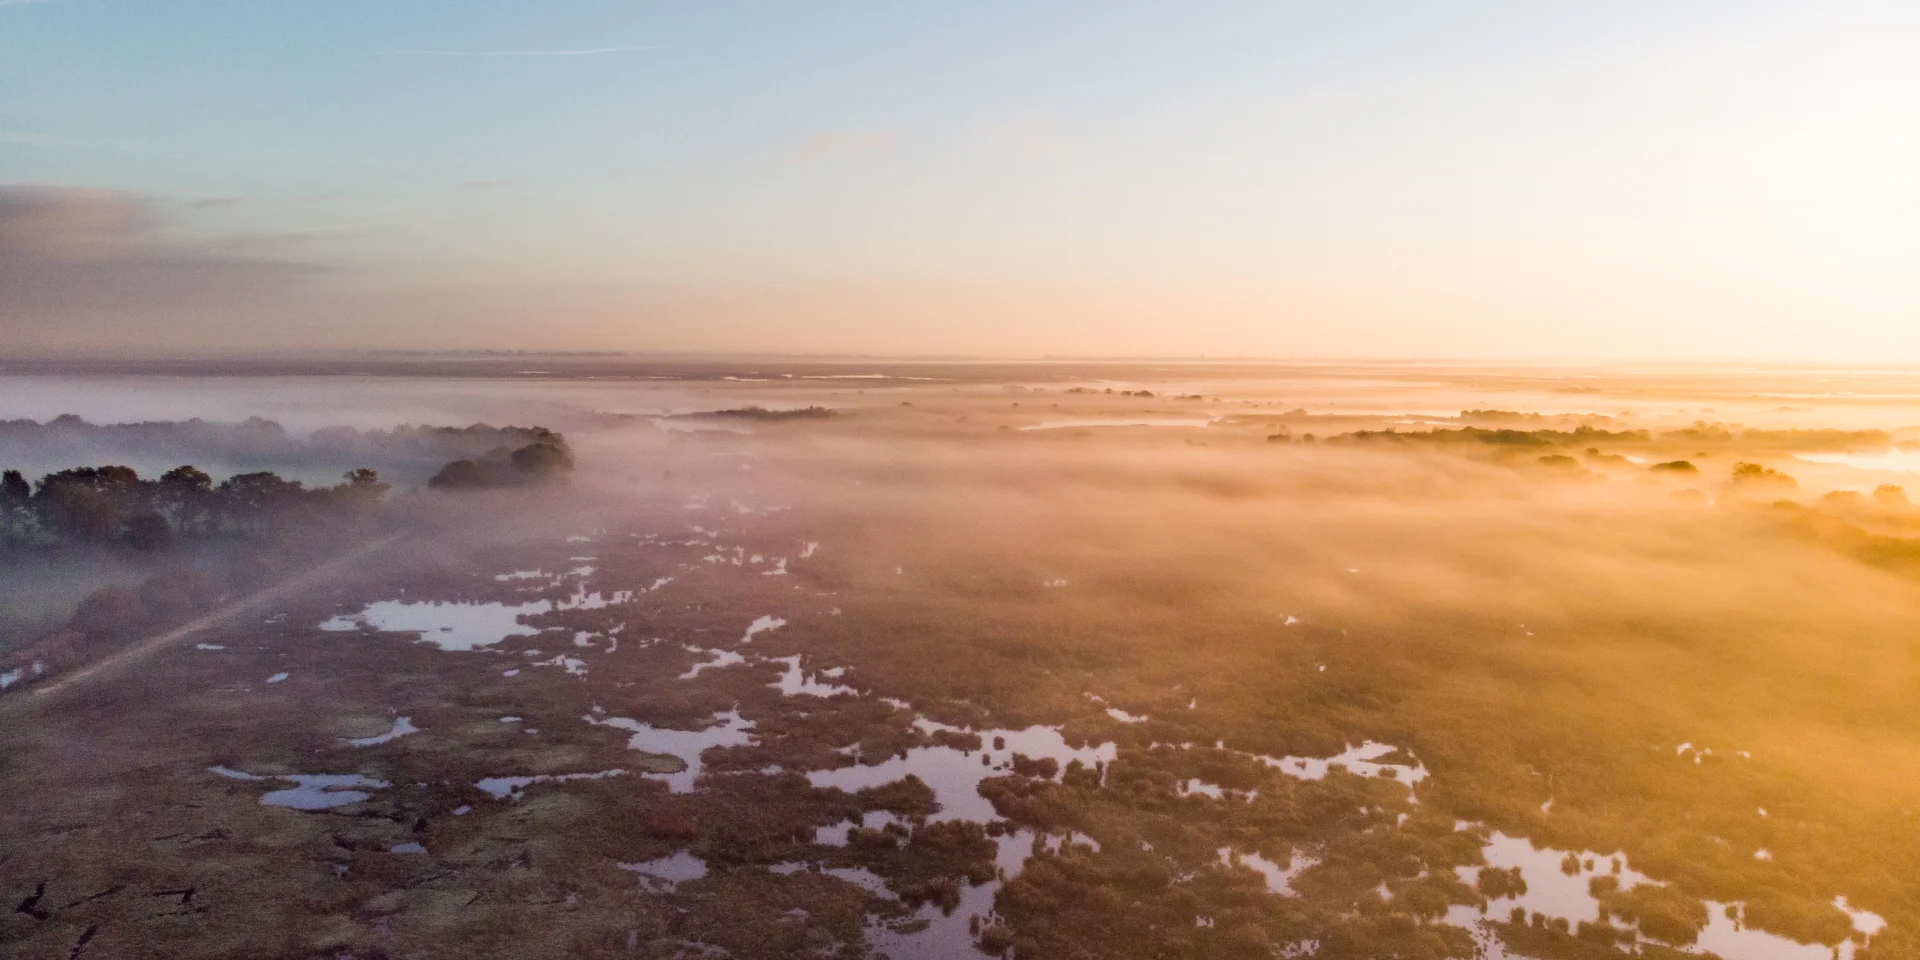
949, 660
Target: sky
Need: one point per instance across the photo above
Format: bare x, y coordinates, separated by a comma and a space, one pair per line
1369, 179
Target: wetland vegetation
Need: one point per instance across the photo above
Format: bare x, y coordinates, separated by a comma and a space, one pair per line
910, 680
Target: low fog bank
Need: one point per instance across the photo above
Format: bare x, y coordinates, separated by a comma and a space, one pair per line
407, 454
1544, 636
384, 390
119, 550
1585, 642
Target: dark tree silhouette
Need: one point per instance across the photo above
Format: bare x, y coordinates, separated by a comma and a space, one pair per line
79, 512
185, 496
458, 475
545, 460
1755, 474
254, 499
86, 503
107, 504
360, 491
16, 505
542, 459
113, 504
149, 531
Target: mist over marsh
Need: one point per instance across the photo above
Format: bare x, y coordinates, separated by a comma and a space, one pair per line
940, 661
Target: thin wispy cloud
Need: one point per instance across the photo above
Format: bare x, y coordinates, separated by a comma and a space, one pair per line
584, 52
76, 252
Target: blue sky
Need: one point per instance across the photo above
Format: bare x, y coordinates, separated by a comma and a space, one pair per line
1686, 180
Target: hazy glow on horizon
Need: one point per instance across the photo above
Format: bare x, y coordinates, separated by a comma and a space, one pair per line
1638, 180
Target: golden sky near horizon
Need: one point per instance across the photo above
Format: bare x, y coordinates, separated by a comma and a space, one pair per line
1701, 181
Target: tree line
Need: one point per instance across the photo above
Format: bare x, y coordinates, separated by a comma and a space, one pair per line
543, 461
113, 504
404, 451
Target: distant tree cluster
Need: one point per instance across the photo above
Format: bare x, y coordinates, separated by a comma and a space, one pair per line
112, 504
1514, 416
545, 460
1703, 432
1754, 474
1502, 437
1536, 420
256, 443
762, 413
1886, 499
1126, 393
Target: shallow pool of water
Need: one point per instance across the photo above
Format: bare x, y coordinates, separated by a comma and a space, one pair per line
955, 774
402, 726
449, 625
322, 791
794, 682
1358, 760
666, 873
837, 834
574, 666
1558, 886
729, 730
535, 574
949, 935
762, 625
1197, 786
501, 788
715, 659
1550, 889
311, 791
1279, 878
462, 625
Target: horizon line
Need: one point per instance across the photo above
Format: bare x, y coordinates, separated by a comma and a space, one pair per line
92, 356
580, 52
